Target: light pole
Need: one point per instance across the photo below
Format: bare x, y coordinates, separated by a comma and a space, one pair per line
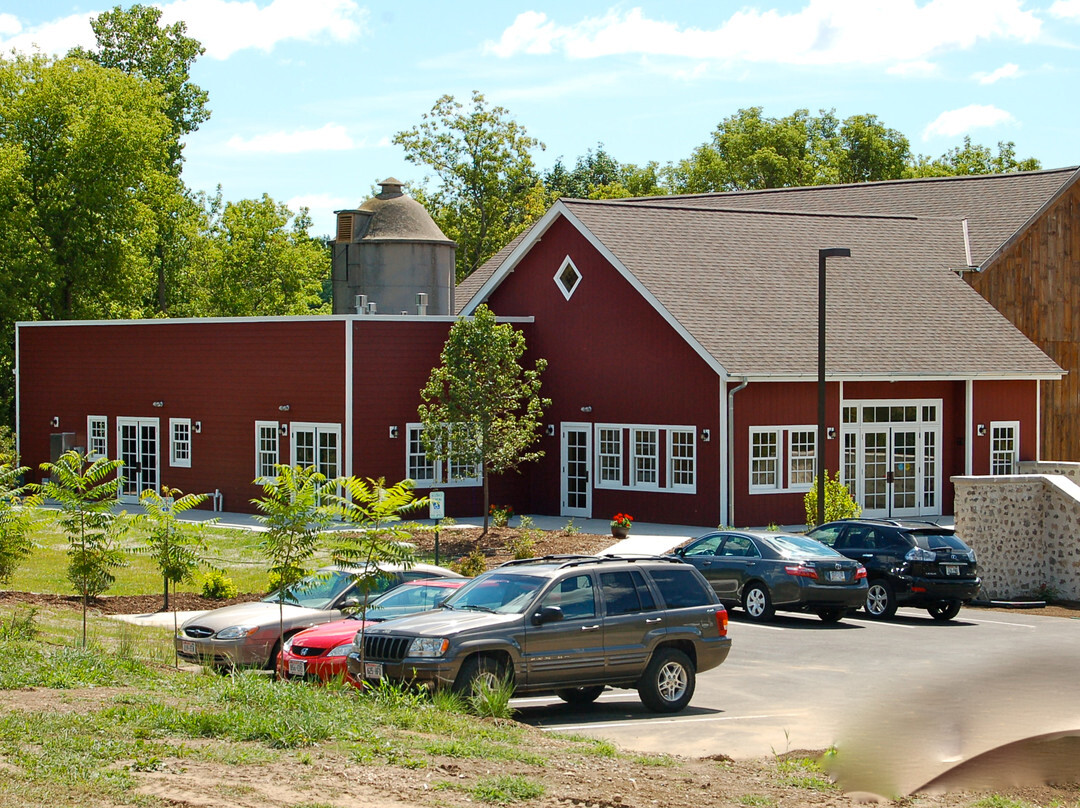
831, 252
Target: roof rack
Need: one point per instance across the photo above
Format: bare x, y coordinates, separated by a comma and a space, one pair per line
564, 561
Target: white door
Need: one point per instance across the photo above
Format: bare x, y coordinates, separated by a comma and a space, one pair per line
317, 445
576, 493
892, 476
137, 447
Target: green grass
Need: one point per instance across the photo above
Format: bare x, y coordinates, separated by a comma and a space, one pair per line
756, 800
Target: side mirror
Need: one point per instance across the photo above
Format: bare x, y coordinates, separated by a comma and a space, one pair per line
679, 551
549, 614
351, 602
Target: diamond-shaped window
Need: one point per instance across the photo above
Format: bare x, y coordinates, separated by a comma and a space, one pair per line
567, 278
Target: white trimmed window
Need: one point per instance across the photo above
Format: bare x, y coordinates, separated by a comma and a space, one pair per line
266, 450
567, 278
646, 459
609, 451
1004, 447
764, 459
802, 458
180, 442
97, 436
682, 459
435, 472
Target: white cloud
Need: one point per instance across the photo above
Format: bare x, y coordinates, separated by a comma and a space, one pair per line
1006, 71
961, 121
222, 26
920, 69
321, 204
1066, 9
822, 32
331, 137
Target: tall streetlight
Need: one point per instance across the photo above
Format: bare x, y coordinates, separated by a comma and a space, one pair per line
831, 252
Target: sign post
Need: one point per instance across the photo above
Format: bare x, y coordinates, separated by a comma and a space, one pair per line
436, 511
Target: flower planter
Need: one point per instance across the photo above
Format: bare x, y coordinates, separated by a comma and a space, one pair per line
620, 532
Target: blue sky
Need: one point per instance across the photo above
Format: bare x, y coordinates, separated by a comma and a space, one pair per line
307, 94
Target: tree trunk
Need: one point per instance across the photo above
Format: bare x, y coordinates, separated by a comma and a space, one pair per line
487, 507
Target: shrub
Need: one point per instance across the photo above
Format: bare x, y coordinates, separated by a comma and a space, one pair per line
523, 545
500, 514
218, 586
471, 565
839, 504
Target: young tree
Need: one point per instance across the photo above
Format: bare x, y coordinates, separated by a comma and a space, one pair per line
16, 516
839, 503
175, 546
488, 189
85, 495
482, 409
296, 508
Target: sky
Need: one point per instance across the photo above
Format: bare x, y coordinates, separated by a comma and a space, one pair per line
307, 95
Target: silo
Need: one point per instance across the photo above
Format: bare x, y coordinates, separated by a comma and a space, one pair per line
390, 251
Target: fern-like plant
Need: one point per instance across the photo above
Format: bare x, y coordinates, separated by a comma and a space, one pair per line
16, 518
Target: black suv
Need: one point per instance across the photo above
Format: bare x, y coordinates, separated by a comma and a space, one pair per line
908, 563
568, 624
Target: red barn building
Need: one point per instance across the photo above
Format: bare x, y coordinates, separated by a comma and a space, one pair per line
681, 336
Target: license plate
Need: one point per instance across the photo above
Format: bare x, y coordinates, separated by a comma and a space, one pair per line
952, 569
187, 647
836, 575
297, 667
373, 670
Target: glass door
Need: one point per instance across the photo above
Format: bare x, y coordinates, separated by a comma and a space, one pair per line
576, 499
137, 445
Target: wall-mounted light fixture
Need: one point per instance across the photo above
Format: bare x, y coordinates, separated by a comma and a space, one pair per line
830, 433
159, 403
587, 408
706, 435
284, 408
284, 430
550, 430
198, 427
393, 432
980, 430
55, 421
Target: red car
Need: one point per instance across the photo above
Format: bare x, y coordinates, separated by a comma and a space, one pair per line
319, 652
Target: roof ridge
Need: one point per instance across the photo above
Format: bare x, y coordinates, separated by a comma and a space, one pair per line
821, 214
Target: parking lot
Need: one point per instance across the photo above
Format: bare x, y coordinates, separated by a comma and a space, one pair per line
940, 691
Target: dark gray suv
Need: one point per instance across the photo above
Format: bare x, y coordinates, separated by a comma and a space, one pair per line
567, 624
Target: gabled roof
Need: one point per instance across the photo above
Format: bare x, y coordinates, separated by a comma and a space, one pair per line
740, 284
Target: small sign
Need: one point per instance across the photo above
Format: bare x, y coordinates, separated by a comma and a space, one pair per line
436, 505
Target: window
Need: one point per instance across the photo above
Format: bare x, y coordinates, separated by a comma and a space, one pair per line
1004, 447
609, 449
764, 459
97, 436
266, 449
802, 458
681, 459
428, 473
574, 596
567, 278
646, 461
180, 442
625, 593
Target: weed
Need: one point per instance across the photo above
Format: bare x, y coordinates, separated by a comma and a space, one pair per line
523, 545
20, 626
526, 523
492, 701
756, 799
571, 529
997, 801
446, 700
665, 761
506, 789
1047, 592
479, 749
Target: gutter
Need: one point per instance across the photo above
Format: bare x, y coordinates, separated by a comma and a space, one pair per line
731, 449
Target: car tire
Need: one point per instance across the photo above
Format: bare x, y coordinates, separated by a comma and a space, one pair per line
944, 610
833, 614
479, 669
580, 696
668, 682
880, 600
757, 603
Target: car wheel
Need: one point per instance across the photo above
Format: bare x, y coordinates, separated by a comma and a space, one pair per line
880, 600
668, 682
479, 670
757, 603
831, 615
945, 610
580, 696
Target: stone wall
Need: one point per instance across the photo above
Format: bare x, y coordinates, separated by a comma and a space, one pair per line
1025, 529
1070, 470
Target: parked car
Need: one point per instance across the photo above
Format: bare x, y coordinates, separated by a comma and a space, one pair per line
908, 562
569, 624
247, 633
765, 571
319, 652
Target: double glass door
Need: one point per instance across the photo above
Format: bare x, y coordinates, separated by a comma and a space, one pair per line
137, 441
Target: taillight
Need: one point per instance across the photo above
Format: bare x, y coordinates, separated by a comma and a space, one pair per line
721, 621
860, 573
801, 571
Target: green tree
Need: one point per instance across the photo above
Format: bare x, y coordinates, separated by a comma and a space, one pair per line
481, 408
868, 151
839, 503
487, 188
296, 508
972, 158
176, 547
16, 518
597, 175
85, 495
257, 259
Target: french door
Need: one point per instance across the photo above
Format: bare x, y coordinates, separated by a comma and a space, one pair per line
137, 446
318, 446
576, 488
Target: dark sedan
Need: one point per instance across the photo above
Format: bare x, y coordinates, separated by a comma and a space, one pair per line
764, 571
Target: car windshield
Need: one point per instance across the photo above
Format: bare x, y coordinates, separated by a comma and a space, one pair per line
500, 592
316, 591
406, 600
791, 546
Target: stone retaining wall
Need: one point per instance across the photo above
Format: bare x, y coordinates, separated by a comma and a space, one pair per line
1070, 470
1025, 529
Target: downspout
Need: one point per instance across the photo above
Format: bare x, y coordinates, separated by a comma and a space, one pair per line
969, 426
731, 450
18, 398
